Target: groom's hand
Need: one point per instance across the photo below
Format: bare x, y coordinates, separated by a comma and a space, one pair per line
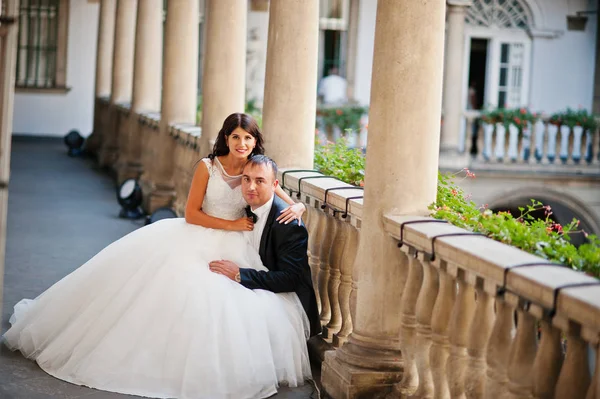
225, 267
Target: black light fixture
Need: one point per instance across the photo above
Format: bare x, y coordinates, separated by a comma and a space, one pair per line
74, 141
129, 195
159, 214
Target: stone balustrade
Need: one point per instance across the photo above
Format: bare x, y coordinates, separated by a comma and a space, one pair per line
483, 319
187, 155
148, 130
542, 146
479, 318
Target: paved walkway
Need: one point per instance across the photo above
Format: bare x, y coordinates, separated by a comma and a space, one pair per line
61, 212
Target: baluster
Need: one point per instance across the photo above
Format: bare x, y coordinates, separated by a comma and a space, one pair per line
548, 362
522, 356
596, 146
578, 140
317, 227
498, 350
467, 134
552, 141
345, 290
337, 252
565, 132
326, 246
515, 143
500, 140
574, 379
479, 141
479, 334
537, 142
425, 303
487, 148
439, 334
459, 329
525, 143
594, 391
408, 332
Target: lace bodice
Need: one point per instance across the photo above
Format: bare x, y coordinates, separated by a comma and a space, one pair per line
223, 198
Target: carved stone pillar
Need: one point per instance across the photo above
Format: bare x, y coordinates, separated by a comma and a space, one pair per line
146, 83
453, 74
408, 58
122, 76
224, 73
292, 54
179, 95
104, 61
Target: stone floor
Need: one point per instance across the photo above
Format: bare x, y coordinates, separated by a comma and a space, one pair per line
61, 212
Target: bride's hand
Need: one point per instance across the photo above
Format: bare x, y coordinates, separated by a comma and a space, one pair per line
292, 212
242, 224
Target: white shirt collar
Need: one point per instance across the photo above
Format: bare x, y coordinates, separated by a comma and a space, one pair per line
263, 210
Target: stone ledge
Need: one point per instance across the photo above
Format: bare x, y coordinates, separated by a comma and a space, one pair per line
151, 119
315, 189
488, 259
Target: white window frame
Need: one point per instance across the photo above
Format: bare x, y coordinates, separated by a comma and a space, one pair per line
496, 37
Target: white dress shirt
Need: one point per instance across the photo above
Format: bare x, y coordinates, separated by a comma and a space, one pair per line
262, 214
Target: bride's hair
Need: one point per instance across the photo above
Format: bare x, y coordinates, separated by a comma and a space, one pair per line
231, 123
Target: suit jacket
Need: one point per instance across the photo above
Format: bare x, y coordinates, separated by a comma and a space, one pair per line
283, 250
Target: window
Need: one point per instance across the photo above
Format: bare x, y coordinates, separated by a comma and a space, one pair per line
503, 72
42, 41
333, 22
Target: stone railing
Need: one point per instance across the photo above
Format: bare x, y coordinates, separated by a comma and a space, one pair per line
333, 219
187, 154
480, 318
148, 138
115, 131
542, 145
483, 319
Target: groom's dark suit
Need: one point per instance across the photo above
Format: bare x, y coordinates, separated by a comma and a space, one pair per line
283, 250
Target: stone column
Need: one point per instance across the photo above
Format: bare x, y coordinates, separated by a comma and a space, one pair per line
224, 73
104, 52
8, 60
596, 104
122, 75
292, 56
179, 95
147, 77
453, 74
401, 179
104, 60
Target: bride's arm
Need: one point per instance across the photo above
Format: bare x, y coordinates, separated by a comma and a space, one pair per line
292, 212
193, 209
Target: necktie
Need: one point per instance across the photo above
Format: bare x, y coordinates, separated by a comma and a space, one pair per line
251, 214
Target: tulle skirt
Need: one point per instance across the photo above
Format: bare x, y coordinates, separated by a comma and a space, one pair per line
146, 316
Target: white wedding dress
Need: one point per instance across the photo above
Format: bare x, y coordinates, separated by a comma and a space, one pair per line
146, 316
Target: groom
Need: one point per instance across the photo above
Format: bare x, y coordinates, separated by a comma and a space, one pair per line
282, 247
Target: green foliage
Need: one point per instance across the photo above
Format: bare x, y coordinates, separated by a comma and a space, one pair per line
339, 161
571, 118
345, 117
519, 117
543, 238
255, 112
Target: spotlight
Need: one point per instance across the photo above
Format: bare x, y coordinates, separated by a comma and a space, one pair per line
74, 141
159, 214
129, 195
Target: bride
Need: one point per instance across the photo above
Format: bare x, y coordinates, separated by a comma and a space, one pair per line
146, 316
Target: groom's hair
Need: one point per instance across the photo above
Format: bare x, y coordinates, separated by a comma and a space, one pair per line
263, 160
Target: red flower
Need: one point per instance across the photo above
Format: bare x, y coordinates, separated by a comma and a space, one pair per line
523, 111
338, 111
454, 192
